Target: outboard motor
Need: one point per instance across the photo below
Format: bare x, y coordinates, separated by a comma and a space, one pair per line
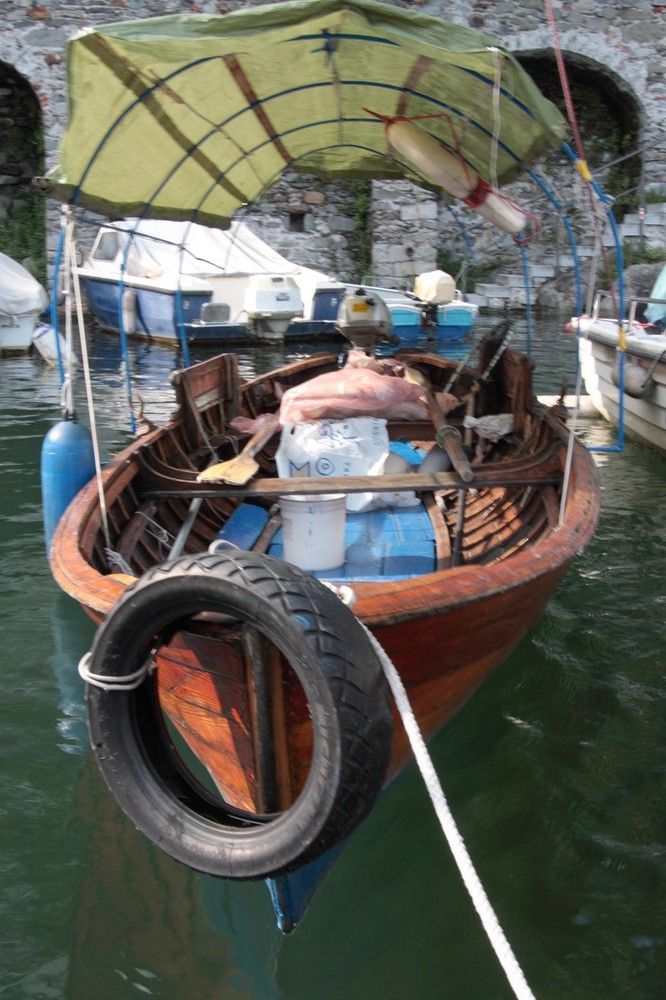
271, 302
364, 319
434, 289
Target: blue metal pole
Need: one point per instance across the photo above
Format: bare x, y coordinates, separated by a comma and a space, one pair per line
528, 289
621, 318
54, 302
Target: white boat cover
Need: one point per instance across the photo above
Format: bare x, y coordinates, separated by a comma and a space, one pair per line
163, 248
20, 293
436, 287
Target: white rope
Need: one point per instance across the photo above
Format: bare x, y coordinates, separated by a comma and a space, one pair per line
497, 120
66, 395
129, 682
482, 904
455, 841
571, 441
66, 389
116, 561
71, 274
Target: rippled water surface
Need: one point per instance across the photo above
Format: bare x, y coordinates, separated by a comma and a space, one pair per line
554, 771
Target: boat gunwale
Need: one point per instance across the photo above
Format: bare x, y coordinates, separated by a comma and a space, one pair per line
641, 345
377, 602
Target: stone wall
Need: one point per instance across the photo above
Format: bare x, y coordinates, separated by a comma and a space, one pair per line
20, 154
626, 41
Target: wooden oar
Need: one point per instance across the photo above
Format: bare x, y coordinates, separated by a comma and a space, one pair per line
469, 412
447, 437
239, 470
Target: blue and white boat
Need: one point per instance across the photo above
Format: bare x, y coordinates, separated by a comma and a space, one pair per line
623, 363
161, 280
436, 310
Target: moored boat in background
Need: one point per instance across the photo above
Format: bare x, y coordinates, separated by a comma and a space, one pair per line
435, 310
22, 301
165, 280
623, 365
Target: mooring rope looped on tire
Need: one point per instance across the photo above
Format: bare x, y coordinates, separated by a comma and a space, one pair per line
108, 682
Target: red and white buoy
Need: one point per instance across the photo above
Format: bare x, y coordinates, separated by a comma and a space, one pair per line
448, 171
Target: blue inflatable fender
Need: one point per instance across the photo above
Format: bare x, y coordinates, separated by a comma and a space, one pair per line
68, 463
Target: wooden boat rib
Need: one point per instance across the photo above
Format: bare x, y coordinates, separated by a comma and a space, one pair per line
499, 557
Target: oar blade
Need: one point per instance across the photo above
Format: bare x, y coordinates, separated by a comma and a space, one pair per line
235, 472
239, 470
242, 471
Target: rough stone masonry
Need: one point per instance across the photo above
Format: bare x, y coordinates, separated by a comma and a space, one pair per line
624, 39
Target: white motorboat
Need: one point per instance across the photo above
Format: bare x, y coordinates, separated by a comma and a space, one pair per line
623, 366
435, 309
22, 300
166, 279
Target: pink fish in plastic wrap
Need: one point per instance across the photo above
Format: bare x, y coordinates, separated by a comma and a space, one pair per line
250, 425
352, 392
357, 358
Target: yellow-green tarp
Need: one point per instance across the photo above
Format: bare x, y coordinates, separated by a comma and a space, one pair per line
194, 116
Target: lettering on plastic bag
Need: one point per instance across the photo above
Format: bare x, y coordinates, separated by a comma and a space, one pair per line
358, 446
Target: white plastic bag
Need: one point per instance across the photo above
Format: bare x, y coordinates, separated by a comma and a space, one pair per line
492, 427
358, 446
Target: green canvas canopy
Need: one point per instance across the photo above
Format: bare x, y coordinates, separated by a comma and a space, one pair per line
195, 116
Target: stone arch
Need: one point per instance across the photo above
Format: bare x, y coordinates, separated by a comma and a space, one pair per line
609, 110
609, 113
22, 209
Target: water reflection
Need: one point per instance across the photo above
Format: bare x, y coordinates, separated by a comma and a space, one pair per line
140, 922
72, 636
554, 771
145, 924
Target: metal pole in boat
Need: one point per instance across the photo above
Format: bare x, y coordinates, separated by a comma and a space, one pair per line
123, 330
180, 318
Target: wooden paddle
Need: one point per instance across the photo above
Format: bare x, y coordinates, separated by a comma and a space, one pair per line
447, 437
239, 470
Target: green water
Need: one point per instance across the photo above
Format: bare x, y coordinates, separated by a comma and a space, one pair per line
554, 771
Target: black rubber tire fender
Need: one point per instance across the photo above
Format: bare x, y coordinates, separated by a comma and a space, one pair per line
340, 673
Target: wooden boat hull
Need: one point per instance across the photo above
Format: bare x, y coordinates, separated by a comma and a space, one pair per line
503, 542
257, 669
447, 640
444, 631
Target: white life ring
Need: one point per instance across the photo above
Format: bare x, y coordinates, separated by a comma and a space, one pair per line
448, 171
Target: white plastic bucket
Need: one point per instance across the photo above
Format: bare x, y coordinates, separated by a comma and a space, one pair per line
314, 530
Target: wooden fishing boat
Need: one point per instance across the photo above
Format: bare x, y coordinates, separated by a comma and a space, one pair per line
237, 698
214, 755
